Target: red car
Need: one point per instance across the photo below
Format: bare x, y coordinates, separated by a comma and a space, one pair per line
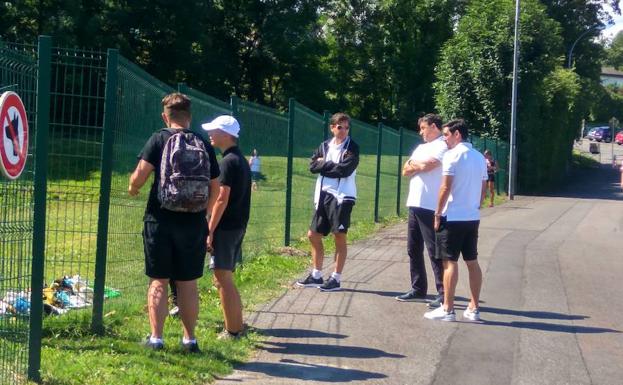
618, 139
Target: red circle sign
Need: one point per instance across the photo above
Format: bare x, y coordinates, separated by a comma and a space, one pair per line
13, 135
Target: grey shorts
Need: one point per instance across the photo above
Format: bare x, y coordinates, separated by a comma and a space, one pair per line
227, 245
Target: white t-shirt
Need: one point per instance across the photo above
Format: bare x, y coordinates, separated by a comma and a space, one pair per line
424, 186
469, 169
255, 163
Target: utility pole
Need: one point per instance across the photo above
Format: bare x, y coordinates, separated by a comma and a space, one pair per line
512, 177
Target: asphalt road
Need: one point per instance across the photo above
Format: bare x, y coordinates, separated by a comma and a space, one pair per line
552, 305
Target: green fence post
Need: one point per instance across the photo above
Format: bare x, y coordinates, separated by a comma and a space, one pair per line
44, 65
399, 186
233, 103
379, 148
292, 113
110, 118
497, 180
181, 87
326, 116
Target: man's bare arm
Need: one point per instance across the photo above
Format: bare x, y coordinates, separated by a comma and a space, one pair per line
444, 193
412, 167
139, 176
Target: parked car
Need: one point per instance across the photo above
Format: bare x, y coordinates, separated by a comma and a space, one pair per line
600, 134
618, 139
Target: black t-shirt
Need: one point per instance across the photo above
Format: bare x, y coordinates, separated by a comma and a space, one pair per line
236, 174
152, 153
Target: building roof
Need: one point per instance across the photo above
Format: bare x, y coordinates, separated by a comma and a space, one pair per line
610, 71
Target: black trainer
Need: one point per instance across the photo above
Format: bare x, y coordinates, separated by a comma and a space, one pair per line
438, 301
331, 285
310, 281
191, 347
410, 296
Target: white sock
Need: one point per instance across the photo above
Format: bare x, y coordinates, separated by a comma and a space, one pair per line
186, 342
155, 340
336, 276
316, 274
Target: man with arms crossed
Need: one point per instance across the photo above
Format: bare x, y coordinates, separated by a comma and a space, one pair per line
174, 242
457, 218
335, 162
424, 168
228, 223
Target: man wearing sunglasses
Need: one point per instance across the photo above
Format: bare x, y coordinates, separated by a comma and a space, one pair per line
335, 161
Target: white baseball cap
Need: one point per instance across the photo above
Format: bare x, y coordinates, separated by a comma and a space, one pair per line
225, 123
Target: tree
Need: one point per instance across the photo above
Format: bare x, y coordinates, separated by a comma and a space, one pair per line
614, 53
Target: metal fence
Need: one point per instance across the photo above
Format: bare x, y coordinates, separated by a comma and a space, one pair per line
69, 222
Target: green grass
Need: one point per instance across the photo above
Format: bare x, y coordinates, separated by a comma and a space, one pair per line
582, 160
72, 355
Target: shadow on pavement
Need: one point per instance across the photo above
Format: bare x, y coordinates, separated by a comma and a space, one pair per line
299, 333
532, 314
310, 372
325, 350
592, 183
552, 327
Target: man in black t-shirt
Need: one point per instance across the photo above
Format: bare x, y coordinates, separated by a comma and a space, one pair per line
228, 222
174, 242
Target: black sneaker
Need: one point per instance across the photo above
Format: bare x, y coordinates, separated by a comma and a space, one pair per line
410, 296
310, 281
438, 301
331, 285
152, 345
191, 347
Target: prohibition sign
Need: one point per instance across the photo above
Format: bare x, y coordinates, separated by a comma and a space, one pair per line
13, 135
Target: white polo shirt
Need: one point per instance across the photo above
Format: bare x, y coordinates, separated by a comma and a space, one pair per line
469, 169
424, 186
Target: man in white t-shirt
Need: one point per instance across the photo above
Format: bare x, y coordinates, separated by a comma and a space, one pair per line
424, 168
457, 218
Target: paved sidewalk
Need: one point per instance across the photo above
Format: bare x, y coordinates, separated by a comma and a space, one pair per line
552, 306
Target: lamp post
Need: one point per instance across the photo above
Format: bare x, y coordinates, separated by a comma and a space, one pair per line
512, 177
597, 27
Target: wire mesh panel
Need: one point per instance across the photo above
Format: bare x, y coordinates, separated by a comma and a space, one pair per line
309, 128
138, 115
366, 136
18, 73
265, 130
409, 142
74, 147
501, 153
389, 172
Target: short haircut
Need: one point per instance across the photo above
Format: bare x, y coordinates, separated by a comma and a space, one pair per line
339, 117
176, 106
458, 125
487, 152
430, 119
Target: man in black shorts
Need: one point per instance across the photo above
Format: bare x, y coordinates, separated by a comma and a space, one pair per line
335, 162
229, 219
174, 241
457, 217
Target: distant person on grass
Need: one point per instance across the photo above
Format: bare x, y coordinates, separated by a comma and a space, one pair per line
424, 169
228, 223
492, 168
335, 162
457, 218
175, 225
256, 166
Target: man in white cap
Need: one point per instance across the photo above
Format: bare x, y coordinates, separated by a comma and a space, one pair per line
230, 215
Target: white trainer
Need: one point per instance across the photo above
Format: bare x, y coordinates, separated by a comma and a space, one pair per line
440, 314
472, 315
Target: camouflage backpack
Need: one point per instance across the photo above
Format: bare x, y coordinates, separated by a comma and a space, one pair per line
184, 173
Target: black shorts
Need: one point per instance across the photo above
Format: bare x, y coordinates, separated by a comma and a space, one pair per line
175, 250
490, 177
227, 245
455, 238
255, 176
331, 217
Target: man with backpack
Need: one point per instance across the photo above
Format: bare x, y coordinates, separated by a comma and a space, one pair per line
175, 225
228, 223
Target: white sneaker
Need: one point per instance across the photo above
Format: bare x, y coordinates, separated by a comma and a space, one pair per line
472, 315
440, 314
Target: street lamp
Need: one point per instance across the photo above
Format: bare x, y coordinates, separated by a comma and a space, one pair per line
597, 27
512, 177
